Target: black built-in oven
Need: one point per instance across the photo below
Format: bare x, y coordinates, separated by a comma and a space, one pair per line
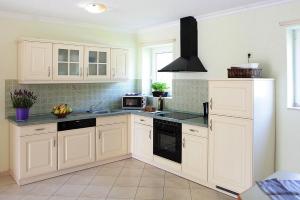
167, 139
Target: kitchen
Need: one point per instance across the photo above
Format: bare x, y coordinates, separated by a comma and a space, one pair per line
92, 69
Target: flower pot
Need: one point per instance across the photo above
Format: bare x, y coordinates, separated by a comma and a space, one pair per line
22, 114
159, 94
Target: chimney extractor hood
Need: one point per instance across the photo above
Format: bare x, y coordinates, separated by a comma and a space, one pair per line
188, 61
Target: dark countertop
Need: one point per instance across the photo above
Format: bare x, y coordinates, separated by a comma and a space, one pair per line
49, 118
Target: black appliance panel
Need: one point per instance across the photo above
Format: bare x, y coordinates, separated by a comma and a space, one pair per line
76, 124
167, 139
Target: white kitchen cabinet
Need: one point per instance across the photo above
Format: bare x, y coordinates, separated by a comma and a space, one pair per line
38, 154
143, 142
230, 150
231, 98
33, 150
119, 64
76, 147
241, 132
97, 63
111, 141
67, 62
34, 61
194, 157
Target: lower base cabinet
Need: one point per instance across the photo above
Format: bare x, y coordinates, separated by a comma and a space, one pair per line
143, 142
38, 154
76, 147
111, 141
194, 157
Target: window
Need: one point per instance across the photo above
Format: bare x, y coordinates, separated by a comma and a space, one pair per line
293, 79
155, 58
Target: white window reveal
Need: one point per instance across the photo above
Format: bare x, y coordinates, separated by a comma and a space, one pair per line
293, 71
154, 58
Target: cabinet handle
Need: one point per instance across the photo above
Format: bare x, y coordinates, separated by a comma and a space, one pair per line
210, 103
210, 126
150, 134
142, 120
87, 71
54, 143
39, 129
99, 135
183, 142
49, 72
193, 130
80, 71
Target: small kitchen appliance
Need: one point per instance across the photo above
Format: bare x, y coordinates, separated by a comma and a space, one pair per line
132, 102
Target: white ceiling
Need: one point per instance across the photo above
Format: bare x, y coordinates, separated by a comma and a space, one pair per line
127, 15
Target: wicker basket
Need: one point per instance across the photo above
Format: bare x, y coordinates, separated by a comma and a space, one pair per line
236, 72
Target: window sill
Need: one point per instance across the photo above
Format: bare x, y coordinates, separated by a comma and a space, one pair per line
293, 108
169, 97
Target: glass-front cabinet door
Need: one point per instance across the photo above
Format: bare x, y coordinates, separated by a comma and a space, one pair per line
97, 63
67, 62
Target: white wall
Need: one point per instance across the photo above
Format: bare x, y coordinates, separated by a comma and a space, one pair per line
226, 40
12, 29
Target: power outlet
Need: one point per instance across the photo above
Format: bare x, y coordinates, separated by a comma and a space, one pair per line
250, 56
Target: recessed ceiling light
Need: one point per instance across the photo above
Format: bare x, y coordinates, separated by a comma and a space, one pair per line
96, 8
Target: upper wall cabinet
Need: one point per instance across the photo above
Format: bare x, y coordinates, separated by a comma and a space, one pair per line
97, 63
67, 62
119, 64
35, 61
44, 61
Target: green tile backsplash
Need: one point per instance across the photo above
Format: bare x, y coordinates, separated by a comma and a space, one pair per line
188, 95
79, 96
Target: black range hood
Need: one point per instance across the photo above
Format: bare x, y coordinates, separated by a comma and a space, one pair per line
188, 61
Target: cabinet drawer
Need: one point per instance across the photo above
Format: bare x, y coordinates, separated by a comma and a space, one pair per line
143, 120
111, 120
38, 129
195, 130
231, 98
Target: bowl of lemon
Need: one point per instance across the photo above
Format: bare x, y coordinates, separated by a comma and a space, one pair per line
61, 111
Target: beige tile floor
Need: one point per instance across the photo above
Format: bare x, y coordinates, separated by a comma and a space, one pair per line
127, 179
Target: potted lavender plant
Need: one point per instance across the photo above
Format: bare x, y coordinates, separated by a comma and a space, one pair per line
22, 100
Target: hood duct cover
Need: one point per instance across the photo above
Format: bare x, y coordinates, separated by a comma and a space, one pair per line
188, 61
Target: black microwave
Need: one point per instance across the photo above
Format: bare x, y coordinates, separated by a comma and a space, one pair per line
133, 102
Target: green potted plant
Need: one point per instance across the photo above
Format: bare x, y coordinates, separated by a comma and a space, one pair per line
159, 89
22, 100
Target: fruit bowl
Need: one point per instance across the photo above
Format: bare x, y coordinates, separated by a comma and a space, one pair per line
61, 111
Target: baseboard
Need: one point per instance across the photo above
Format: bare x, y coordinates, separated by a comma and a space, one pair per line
4, 173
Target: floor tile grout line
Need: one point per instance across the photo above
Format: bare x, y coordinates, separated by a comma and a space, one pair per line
53, 194
190, 190
116, 178
141, 175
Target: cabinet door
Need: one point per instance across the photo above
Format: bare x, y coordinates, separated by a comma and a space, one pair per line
194, 157
76, 147
119, 64
97, 63
35, 61
231, 98
143, 142
230, 153
38, 154
111, 141
67, 62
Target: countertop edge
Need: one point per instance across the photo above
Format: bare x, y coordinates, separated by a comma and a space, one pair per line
49, 120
